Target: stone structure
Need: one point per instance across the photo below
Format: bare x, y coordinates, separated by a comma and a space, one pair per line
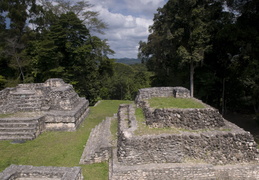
53, 105
183, 171
205, 146
148, 93
19, 172
98, 147
192, 119
230, 144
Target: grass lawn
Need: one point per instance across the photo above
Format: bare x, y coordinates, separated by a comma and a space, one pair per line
171, 102
61, 148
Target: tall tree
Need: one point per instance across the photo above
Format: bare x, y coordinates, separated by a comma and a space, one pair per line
16, 14
81, 8
67, 50
179, 35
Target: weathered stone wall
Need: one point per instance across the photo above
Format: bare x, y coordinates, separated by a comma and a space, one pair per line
193, 119
15, 172
67, 120
228, 145
183, 118
185, 171
98, 147
54, 94
147, 93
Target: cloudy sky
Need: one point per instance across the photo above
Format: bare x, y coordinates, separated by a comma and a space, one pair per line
128, 22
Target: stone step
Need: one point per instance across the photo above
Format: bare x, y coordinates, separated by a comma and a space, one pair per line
15, 137
20, 120
18, 125
17, 134
29, 105
27, 97
29, 109
30, 100
19, 129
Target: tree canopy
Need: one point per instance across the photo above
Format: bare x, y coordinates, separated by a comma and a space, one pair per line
54, 39
215, 39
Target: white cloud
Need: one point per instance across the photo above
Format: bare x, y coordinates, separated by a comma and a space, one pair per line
128, 23
144, 7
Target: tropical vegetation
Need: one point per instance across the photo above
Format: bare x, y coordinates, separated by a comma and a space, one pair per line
210, 47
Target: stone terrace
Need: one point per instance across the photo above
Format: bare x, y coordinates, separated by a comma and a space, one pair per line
216, 149
55, 104
230, 144
191, 118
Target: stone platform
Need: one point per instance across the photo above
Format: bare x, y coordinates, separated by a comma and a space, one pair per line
55, 104
183, 143
225, 145
181, 171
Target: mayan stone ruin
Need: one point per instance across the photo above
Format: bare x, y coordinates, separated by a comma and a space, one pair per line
201, 144
33, 108
162, 143
19, 172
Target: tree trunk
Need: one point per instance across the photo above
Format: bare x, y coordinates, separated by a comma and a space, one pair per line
20, 67
191, 78
223, 97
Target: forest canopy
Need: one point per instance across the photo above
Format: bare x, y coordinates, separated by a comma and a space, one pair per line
210, 47
58, 39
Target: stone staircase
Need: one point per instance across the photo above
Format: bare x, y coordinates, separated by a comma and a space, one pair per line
27, 100
19, 129
98, 147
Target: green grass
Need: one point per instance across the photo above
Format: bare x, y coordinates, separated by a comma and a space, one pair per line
171, 102
61, 148
5, 115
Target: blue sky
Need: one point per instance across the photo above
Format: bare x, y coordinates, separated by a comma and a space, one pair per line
128, 22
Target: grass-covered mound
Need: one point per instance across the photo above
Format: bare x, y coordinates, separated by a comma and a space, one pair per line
61, 148
171, 102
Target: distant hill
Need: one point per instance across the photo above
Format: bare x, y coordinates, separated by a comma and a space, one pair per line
128, 61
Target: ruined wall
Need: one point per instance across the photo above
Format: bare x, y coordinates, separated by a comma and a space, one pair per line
15, 172
147, 93
192, 119
187, 171
229, 145
67, 120
98, 147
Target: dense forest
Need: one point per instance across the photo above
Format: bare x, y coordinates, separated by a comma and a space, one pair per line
209, 47
43, 39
